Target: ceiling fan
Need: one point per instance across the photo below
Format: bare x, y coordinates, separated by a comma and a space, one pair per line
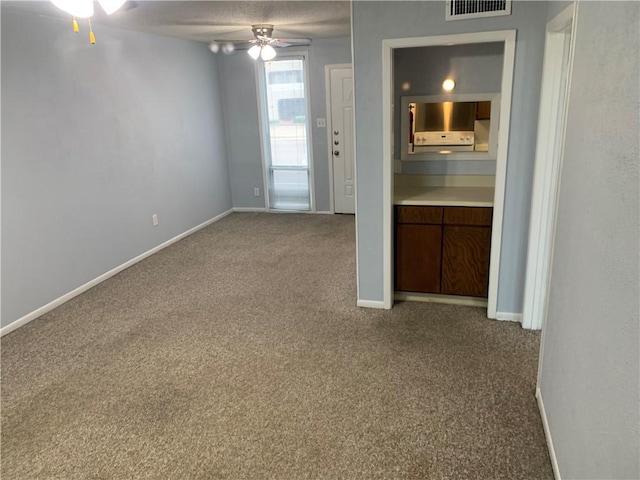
262, 46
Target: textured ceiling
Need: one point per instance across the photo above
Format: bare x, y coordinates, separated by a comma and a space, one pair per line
206, 21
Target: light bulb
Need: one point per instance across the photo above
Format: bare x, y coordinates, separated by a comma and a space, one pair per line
111, 6
448, 85
268, 53
254, 52
75, 8
214, 47
228, 48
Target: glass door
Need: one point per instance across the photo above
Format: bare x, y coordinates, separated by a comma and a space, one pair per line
286, 130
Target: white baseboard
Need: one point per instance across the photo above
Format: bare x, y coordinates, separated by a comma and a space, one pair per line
370, 304
547, 434
509, 317
252, 209
248, 209
83, 288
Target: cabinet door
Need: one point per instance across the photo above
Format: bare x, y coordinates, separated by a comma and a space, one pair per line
483, 112
465, 260
418, 258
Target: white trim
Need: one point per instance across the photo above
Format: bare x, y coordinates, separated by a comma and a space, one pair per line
563, 20
258, 70
329, 124
249, 209
547, 434
508, 317
279, 211
388, 170
355, 155
83, 288
553, 97
371, 304
501, 170
440, 298
388, 45
327, 94
307, 94
455, 39
323, 212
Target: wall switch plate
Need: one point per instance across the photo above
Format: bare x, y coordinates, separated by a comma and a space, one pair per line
154, 219
321, 122
256, 192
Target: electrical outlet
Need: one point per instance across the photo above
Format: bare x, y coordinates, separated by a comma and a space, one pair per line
321, 122
154, 219
256, 192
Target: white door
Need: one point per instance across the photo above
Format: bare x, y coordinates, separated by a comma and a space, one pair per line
341, 135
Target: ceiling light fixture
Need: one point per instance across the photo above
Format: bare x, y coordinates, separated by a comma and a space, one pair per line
448, 85
263, 50
268, 53
84, 9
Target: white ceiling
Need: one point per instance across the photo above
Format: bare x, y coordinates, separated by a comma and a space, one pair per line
231, 20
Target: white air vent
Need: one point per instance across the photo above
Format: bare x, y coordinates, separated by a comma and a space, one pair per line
461, 9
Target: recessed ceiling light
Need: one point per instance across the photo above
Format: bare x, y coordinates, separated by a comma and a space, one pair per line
448, 85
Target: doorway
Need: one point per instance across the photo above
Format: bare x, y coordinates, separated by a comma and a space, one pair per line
388, 45
340, 136
556, 73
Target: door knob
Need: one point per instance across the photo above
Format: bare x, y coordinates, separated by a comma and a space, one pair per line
336, 132
336, 153
336, 142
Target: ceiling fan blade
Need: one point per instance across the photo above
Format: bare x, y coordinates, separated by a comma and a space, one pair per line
291, 42
242, 45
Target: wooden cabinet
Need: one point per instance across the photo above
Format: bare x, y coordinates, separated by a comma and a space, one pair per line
483, 112
443, 250
418, 248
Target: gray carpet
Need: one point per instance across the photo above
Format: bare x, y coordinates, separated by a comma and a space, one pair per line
239, 353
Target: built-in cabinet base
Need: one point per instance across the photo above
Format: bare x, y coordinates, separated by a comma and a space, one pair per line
443, 250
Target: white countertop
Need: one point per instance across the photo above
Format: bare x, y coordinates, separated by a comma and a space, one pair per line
444, 196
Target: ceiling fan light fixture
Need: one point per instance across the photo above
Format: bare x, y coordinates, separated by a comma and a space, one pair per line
268, 53
254, 52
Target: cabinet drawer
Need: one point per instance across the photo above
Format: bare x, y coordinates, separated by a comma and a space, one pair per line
420, 215
468, 216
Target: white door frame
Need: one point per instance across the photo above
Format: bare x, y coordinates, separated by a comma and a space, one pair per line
262, 114
509, 39
327, 90
556, 76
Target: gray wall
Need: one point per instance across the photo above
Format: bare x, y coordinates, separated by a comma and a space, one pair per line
589, 371
476, 68
96, 139
241, 116
375, 21
555, 7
